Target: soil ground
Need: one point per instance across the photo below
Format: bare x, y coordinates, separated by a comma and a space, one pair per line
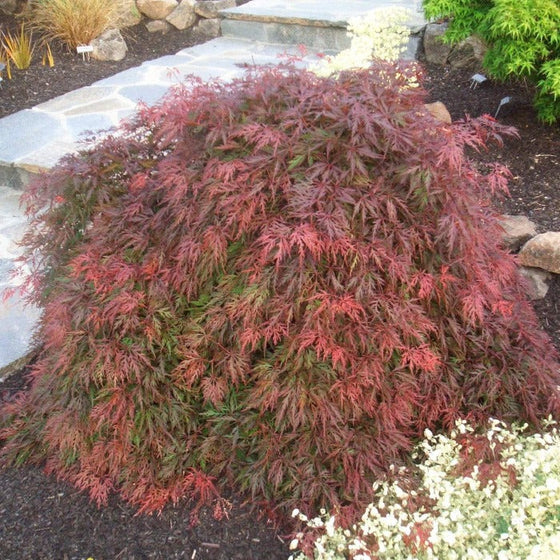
41, 518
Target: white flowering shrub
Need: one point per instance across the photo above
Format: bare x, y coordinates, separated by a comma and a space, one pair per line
380, 34
511, 512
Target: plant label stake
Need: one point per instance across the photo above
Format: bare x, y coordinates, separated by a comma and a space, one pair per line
2, 68
476, 80
84, 50
502, 103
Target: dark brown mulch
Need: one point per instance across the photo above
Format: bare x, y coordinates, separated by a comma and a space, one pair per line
41, 518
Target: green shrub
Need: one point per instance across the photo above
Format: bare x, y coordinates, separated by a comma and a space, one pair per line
523, 37
279, 282
504, 503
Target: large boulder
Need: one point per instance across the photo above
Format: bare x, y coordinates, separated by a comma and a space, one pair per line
128, 14
209, 27
184, 15
468, 53
465, 54
110, 45
156, 9
542, 251
435, 50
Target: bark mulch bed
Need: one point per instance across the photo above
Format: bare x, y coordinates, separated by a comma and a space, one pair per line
41, 518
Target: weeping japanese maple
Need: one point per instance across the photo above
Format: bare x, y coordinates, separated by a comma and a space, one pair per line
278, 282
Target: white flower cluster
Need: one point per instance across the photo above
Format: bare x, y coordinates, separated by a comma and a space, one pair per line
471, 519
379, 34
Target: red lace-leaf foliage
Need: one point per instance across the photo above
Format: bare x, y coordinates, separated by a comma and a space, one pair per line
279, 283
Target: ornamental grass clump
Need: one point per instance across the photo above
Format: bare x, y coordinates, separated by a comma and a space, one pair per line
17, 49
278, 282
72, 22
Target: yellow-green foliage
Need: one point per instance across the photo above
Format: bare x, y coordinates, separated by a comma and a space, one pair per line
523, 37
504, 518
73, 22
379, 34
48, 58
18, 49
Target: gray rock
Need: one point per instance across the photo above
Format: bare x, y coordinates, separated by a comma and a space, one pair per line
209, 27
535, 281
435, 49
209, 8
25, 132
184, 15
465, 54
542, 251
517, 231
158, 26
110, 45
156, 9
468, 53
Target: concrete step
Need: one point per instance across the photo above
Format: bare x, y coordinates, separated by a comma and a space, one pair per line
318, 24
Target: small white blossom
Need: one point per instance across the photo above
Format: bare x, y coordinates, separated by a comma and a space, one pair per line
380, 34
469, 519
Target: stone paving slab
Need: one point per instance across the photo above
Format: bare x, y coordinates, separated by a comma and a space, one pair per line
16, 320
320, 12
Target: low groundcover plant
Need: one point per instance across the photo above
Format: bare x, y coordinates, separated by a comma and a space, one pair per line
381, 34
278, 283
504, 505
